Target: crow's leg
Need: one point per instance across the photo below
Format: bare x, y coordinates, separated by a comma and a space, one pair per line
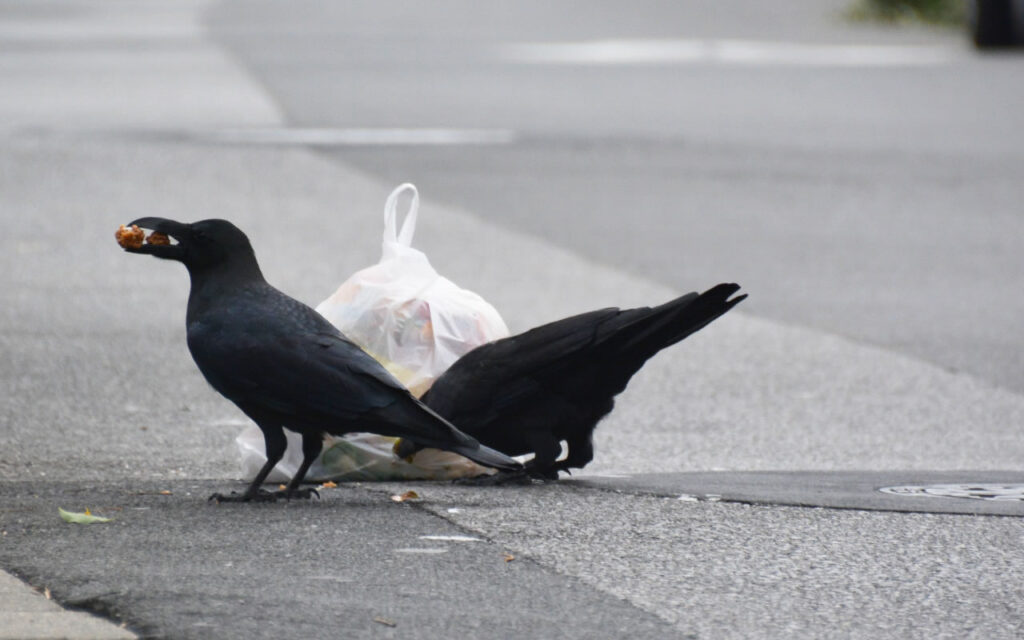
546, 449
312, 444
276, 443
581, 452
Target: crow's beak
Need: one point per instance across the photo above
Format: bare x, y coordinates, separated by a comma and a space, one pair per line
177, 231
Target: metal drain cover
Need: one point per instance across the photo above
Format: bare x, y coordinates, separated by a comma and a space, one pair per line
994, 492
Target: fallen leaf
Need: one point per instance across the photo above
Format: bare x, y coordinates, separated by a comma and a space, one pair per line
80, 518
385, 622
329, 485
408, 495
509, 557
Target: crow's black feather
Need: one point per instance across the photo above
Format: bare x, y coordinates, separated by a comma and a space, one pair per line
282, 363
528, 393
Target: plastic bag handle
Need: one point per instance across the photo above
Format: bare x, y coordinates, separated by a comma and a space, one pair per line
403, 237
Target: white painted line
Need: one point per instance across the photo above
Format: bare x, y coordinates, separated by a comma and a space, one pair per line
425, 551
360, 136
723, 52
452, 538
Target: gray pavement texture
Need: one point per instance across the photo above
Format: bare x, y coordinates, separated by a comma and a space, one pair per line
877, 202
834, 489
103, 408
197, 570
741, 571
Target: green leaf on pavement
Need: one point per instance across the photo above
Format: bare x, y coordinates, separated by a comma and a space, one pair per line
80, 518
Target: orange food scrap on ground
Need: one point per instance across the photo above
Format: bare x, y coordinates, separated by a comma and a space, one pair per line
329, 485
129, 237
405, 497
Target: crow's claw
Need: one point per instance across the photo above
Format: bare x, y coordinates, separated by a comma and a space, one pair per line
304, 494
260, 496
498, 479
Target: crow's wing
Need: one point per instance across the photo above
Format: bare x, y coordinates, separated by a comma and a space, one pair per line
301, 374
586, 358
554, 358
325, 382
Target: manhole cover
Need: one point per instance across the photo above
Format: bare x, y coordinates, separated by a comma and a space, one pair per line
996, 492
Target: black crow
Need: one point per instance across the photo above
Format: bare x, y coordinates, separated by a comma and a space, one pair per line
530, 392
283, 364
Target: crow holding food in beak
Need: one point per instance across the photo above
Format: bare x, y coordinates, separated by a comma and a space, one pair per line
530, 392
281, 362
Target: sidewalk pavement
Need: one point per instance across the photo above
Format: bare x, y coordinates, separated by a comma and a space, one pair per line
79, 67
27, 614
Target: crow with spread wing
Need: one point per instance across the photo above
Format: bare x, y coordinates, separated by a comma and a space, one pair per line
528, 393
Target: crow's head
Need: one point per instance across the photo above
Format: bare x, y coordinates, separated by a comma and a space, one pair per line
200, 246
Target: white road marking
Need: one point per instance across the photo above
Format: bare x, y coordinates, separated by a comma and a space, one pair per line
452, 538
359, 136
723, 52
423, 550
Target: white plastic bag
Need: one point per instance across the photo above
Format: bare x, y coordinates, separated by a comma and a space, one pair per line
416, 323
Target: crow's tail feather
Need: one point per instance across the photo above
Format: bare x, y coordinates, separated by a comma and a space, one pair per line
652, 330
489, 457
479, 454
696, 314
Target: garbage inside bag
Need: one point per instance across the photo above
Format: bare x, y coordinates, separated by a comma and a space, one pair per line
416, 323
353, 457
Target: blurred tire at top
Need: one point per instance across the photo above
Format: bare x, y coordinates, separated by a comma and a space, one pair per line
996, 23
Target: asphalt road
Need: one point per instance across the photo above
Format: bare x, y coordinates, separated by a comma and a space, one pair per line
870, 192
109, 112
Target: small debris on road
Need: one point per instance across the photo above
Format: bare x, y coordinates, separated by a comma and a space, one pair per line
80, 518
406, 497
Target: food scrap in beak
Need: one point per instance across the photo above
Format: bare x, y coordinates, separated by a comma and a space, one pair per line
133, 239
130, 237
158, 238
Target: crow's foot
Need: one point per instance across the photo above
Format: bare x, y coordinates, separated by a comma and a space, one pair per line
501, 478
300, 494
543, 475
261, 495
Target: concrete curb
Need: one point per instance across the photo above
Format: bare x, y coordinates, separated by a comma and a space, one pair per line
27, 614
